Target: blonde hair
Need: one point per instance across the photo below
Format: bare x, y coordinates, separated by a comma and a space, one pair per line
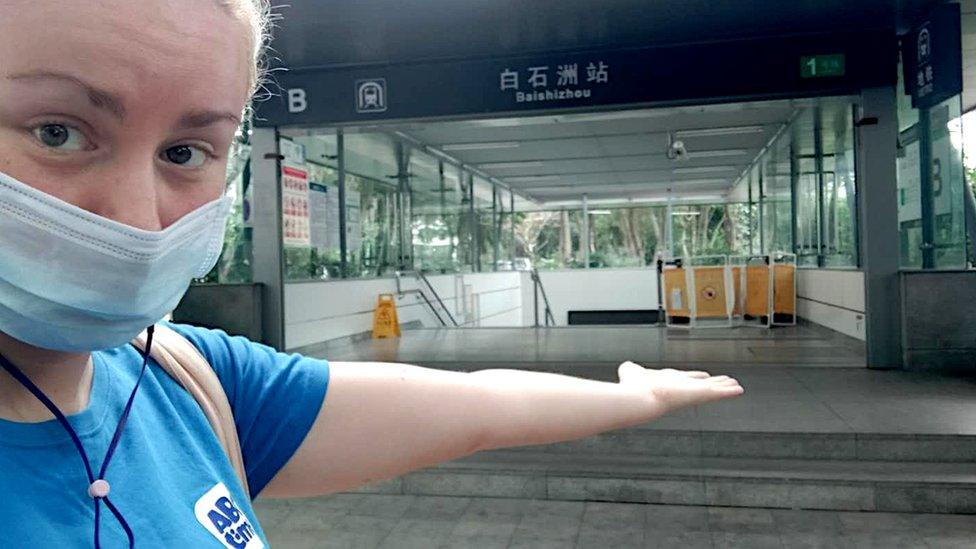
257, 15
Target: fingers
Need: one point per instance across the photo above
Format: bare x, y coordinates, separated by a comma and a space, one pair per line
628, 369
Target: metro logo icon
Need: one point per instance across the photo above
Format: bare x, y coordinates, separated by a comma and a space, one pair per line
217, 513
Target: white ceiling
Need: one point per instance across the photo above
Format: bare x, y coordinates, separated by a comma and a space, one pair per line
614, 156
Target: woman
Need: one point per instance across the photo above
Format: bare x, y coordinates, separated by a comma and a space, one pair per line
115, 121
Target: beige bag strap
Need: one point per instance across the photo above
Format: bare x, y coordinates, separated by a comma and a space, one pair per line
184, 363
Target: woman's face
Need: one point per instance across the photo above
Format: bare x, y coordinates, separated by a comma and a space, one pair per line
126, 108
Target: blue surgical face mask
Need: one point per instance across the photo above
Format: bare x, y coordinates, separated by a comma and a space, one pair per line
71, 280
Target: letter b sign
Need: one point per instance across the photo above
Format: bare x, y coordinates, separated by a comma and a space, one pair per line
296, 100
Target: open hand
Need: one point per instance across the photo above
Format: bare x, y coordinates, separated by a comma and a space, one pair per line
674, 389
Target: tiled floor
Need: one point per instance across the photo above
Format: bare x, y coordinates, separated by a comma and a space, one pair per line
797, 379
388, 521
797, 345
802, 379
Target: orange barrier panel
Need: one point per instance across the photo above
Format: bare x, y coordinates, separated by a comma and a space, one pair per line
675, 293
710, 294
784, 289
757, 291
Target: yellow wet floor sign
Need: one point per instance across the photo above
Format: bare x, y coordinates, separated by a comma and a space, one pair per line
385, 322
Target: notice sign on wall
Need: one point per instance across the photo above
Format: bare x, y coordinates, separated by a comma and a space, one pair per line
294, 206
318, 205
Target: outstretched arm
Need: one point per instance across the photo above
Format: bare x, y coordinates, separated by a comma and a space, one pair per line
382, 420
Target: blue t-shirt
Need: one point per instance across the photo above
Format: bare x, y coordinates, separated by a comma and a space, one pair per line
169, 477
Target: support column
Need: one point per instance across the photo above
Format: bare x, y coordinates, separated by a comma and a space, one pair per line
343, 245
585, 237
669, 228
268, 264
496, 224
877, 141
511, 213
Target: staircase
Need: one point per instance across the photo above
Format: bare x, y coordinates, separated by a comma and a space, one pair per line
896, 473
666, 462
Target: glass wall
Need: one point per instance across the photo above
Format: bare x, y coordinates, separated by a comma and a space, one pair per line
711, 229
631, 237
931, 190
931, 185
776, 198
839, 188
361, 204
807, 188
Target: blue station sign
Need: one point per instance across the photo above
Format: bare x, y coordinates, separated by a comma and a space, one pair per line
749, 69
932, 57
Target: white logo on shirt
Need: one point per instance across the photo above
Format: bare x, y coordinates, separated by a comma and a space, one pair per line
217, 513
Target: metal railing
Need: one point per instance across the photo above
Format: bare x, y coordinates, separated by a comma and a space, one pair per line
424, 287
538, 288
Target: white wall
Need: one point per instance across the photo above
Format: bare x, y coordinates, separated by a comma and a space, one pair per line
832, 298
320, 311
595, 289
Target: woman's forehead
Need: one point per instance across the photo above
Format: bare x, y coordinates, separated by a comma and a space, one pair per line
145, 52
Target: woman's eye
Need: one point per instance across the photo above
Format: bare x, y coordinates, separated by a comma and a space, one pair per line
185, 155
59, 136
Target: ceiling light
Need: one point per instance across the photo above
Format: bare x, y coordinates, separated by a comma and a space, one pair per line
685, 213
511, 165
507, 122
711, 181
717, 132
716, 153
532, 178
703, 169
480, 146
615, 115
600, 212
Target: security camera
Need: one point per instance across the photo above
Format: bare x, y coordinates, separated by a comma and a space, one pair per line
677, 150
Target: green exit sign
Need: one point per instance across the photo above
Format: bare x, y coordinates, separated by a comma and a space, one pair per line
822, 66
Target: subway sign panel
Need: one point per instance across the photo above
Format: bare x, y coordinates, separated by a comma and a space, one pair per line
691, 73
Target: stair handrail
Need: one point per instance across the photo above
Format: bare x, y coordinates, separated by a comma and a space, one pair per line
421, 276
401, 292
539, 288
421, 282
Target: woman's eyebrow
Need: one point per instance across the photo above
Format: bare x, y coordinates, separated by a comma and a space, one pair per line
201, 119
98, 97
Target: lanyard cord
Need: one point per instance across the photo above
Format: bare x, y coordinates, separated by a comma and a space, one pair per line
98, 487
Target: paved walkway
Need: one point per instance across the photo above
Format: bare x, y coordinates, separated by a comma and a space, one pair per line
803, 379
803, 345
350, 521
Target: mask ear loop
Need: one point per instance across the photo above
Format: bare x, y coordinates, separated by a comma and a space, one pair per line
98, 488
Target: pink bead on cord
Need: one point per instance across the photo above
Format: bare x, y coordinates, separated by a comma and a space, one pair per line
99, 489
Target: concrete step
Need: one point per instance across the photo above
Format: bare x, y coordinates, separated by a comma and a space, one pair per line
770, 445
768, 483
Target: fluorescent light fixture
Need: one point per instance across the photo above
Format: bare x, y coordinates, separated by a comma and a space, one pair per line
685, 213
600, 212
532, 178
722, 153
703, 169
625, 201
710, 181
565, 118
718, 132
507, 122
614, 115
480, 146
511, 165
